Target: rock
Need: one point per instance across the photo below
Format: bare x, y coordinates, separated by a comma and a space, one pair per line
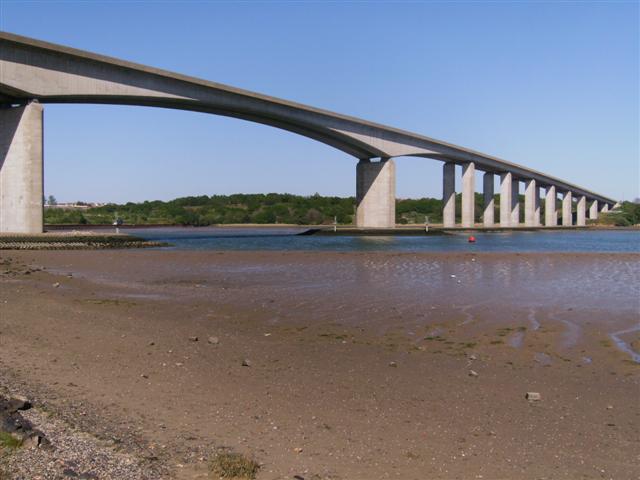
473, 357
32, 441
144, 375
609, 407
246, 363
213, 340
193, 339
298, 449
56, 285
533, 396
473, 373
151, 344
18, 403
393, 364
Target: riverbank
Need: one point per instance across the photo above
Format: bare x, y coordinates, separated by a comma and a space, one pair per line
334, 365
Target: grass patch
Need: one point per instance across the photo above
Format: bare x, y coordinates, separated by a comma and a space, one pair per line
334, 336
109, 301
496, 342
503, 332
9, 442
235, 466
436, 338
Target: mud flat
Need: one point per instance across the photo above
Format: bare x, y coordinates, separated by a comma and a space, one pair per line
326, 365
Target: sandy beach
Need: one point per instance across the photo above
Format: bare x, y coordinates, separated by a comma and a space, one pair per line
331, 365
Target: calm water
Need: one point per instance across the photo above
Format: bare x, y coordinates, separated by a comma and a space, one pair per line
212, 238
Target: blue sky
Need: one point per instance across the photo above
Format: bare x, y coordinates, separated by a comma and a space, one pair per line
550, 85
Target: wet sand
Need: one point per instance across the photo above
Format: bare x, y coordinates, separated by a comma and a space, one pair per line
359, 363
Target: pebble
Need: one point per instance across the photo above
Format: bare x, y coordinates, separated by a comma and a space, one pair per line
473, 373
213, 340
56, 285
393, 364
246, 363
533, 396
193, 339
298, 449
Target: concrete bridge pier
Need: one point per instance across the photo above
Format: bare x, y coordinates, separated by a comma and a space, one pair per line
582, 211
21, 164
515, 202
376, 194
487, 192
468, 194
449, 195
567, 204
550, 214
593, 210
506, 182
605, 208
531, 204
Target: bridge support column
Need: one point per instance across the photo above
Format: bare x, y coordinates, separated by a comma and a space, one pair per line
605, 208
21, 178
593, 210
515, 202
531, 204
468, 194
567, 204
550, 214
376, 194
449, 195
536, 212
505, 199
489, 207
581, 219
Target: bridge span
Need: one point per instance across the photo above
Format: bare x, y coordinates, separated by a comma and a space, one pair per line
33, 72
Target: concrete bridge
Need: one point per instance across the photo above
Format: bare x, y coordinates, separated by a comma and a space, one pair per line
33, 72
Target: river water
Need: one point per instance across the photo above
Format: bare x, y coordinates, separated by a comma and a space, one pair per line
285, 239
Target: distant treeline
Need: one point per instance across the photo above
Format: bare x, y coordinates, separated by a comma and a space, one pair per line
627, 215
269, 208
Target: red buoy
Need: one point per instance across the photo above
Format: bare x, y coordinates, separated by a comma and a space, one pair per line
472, 239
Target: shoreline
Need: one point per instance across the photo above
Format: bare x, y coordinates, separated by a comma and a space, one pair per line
329, 227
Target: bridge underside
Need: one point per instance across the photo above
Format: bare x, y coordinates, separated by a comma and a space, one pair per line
33, 73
